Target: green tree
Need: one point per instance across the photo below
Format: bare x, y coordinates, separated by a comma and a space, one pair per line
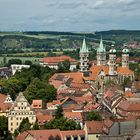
14, 61
24, 125
28, 62
64, 66
93, 116
40, 90
62, 124
4, 133
59, 112
35, 126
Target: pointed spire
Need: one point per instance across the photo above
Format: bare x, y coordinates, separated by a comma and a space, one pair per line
101, 47
84, 48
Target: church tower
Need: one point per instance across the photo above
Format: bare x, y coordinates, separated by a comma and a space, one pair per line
112, 61
101, 54
125, 57
84, 53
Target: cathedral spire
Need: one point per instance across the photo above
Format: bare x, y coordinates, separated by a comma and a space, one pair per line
101, 53
101, 47
84, 48
84, 53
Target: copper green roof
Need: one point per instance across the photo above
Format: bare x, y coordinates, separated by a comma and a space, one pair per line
101, 47
84, 48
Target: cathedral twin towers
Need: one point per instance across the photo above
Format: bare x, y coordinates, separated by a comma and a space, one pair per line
101, 58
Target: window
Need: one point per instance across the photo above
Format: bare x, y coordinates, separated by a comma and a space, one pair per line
11, 123
82, 138
17, 118
32, 118
68, 137
75, 137
17, 123
11, 118
11, 129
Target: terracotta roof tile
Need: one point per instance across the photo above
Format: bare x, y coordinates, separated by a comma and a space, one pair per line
124, 71
73, 115
57, 59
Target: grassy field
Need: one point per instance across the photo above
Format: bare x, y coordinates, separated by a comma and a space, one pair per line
34, 60
35, 54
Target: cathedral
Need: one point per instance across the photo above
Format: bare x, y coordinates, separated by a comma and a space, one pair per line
105, 69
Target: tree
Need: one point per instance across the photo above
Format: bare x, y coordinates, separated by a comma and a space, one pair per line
35, 126
40, 90
28, 62
59, 112
93, 116
14, 61
62, 124
4, 133
24, 125
64, 66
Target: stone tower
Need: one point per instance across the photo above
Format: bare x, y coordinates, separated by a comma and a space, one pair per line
112, 61
125, 58
101, 54
84, 53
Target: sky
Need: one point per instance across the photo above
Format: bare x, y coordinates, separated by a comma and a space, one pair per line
69, 15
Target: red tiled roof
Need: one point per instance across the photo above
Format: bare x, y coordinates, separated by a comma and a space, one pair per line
73, 115
76, 76
2, 98
124, 71
129, 106
57, 59
43, 118
39, 134
72, 133
45, 134
95, 70
94, 127
36, 104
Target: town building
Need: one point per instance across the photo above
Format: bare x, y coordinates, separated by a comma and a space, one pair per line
5, 104
53, 62
19, 110
17, 68
52, 134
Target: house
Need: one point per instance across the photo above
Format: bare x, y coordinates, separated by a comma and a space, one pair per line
36, 104
43, 118
5, 104
19, 110
53, 62
112, 98
69, 105
76, 116
94, 129
53, 105
18, 67
129, 109
52, 134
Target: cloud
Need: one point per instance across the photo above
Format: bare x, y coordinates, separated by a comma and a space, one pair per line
63, 15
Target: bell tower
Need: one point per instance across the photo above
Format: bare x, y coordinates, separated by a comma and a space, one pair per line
125, 57
101, 54
84, 53
112, 61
